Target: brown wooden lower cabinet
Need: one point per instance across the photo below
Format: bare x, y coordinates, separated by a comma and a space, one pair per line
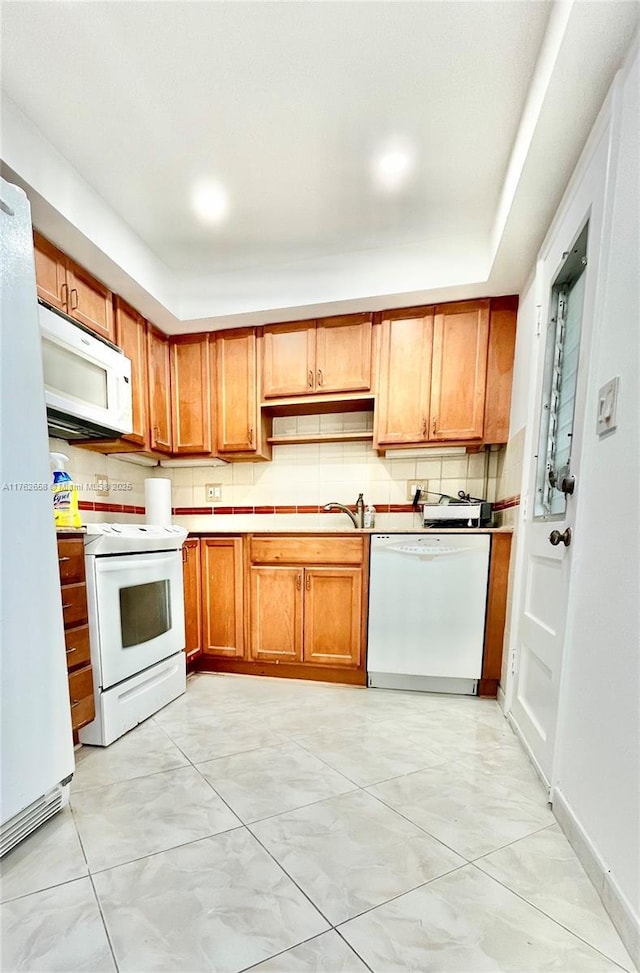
192, 582
222, 597
275, 607
76, 628
332, 616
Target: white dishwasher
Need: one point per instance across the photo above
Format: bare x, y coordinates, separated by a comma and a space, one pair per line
427, 604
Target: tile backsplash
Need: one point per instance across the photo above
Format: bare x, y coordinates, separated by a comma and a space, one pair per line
299, 475
126, 484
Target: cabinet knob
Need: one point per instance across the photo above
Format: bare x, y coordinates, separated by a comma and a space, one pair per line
251, 435
298, 582
320, 377
434, 425
424, 428
308, 582
310, 379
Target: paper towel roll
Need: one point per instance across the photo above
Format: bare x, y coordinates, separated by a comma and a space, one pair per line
157, 501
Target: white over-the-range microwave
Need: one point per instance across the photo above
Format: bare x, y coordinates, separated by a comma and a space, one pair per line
87, 382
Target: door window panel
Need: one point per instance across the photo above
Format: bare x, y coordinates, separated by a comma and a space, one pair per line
562, 351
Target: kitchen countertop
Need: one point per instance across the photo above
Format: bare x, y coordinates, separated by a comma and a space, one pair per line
345, 532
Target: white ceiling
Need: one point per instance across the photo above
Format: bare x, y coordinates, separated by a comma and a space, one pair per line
112, 111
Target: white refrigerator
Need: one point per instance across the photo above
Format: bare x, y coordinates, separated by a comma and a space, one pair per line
36, 746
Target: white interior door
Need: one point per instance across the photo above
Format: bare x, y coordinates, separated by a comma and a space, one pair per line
552, 496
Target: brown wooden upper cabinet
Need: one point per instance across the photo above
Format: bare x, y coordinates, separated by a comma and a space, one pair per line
64, 284
191, 394
433, 371
240, 427
158, 357
131, 336
459, 371
330, 355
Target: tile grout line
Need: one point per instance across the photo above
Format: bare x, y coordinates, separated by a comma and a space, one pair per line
104, 923
541, 911
95, 894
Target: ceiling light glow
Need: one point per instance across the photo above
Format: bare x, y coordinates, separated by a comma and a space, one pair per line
210, 202
392, 167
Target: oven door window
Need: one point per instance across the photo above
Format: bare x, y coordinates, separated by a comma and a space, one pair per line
145, 612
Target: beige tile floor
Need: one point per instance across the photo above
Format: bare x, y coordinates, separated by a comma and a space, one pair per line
290, 827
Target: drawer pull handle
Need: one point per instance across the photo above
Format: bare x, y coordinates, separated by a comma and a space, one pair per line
64, 294
61, 559
75, 702
73, 648
310, 379
320, 377
74, 307
70, 605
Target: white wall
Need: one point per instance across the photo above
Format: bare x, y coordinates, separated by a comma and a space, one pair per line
598, 750
596, 776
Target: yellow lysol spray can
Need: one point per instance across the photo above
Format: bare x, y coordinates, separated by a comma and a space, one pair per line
65, 497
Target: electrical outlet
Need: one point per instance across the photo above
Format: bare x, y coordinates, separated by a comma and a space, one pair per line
213, 492
413, 485
101, 487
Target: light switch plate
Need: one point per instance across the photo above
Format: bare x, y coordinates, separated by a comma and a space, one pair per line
413, 485
101, 485
213, 492
608, 406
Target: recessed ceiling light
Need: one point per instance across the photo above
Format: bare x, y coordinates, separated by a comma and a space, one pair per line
393, 166
210, 202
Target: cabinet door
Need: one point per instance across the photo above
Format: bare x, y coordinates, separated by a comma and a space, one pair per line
402, 410
288, 359
237, 402
90, 302
51, 273
223, 633
131, 336
343, 353
191, 577
459, 372
159, 390
276, 614
332, 616
191, 394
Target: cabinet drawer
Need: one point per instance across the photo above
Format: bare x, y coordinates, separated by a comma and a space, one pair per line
71, 560
74, 604
307, 550
77, 645
83, 709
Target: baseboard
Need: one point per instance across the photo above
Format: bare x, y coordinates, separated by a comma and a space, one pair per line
529, 752
620, 910
501, 699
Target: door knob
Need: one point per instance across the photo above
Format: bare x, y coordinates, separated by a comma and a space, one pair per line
555, 537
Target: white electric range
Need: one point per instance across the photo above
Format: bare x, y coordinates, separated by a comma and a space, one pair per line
136, 624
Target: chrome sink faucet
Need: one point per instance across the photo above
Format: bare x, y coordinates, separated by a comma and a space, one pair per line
357, 518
